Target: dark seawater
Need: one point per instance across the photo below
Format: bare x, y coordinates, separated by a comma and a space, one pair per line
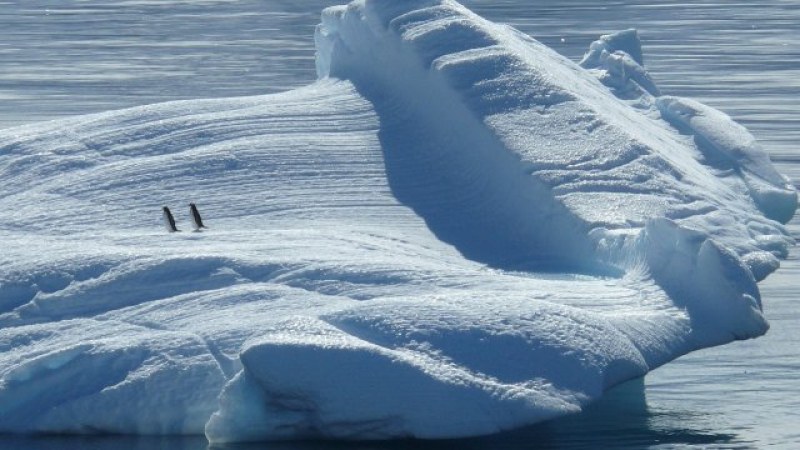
68, 57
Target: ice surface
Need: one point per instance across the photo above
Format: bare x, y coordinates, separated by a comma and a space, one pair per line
454, 232
730, 146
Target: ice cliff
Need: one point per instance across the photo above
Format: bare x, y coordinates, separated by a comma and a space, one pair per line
455, 231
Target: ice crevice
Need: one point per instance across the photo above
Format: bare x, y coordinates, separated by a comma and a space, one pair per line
455, 231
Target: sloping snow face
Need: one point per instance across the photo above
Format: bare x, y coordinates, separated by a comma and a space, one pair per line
454, 232
588, 172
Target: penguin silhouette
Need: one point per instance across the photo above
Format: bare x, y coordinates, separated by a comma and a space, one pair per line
169, 221
197, 221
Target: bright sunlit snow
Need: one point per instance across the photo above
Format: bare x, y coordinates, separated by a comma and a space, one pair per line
455, 231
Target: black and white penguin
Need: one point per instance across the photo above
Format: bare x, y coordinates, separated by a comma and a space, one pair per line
169, 221
197, 221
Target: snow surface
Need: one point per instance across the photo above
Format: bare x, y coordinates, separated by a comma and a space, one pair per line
455, 231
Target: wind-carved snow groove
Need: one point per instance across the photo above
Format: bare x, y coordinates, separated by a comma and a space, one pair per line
115, 289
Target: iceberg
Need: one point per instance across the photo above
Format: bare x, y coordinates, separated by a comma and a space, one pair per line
455, 231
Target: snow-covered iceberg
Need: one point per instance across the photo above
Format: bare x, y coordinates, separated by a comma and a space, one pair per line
455, 231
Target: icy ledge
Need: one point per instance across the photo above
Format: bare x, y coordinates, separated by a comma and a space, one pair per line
454, 232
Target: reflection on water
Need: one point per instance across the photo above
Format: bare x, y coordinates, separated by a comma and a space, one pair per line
102, 443
622, 419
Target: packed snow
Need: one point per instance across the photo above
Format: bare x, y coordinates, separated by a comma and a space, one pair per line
455, 231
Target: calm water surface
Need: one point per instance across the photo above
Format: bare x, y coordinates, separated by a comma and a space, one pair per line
62, 58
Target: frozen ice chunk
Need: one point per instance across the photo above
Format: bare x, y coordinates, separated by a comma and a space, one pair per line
618, 58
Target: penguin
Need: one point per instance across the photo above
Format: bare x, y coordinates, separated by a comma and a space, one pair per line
197, 221
169, 221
